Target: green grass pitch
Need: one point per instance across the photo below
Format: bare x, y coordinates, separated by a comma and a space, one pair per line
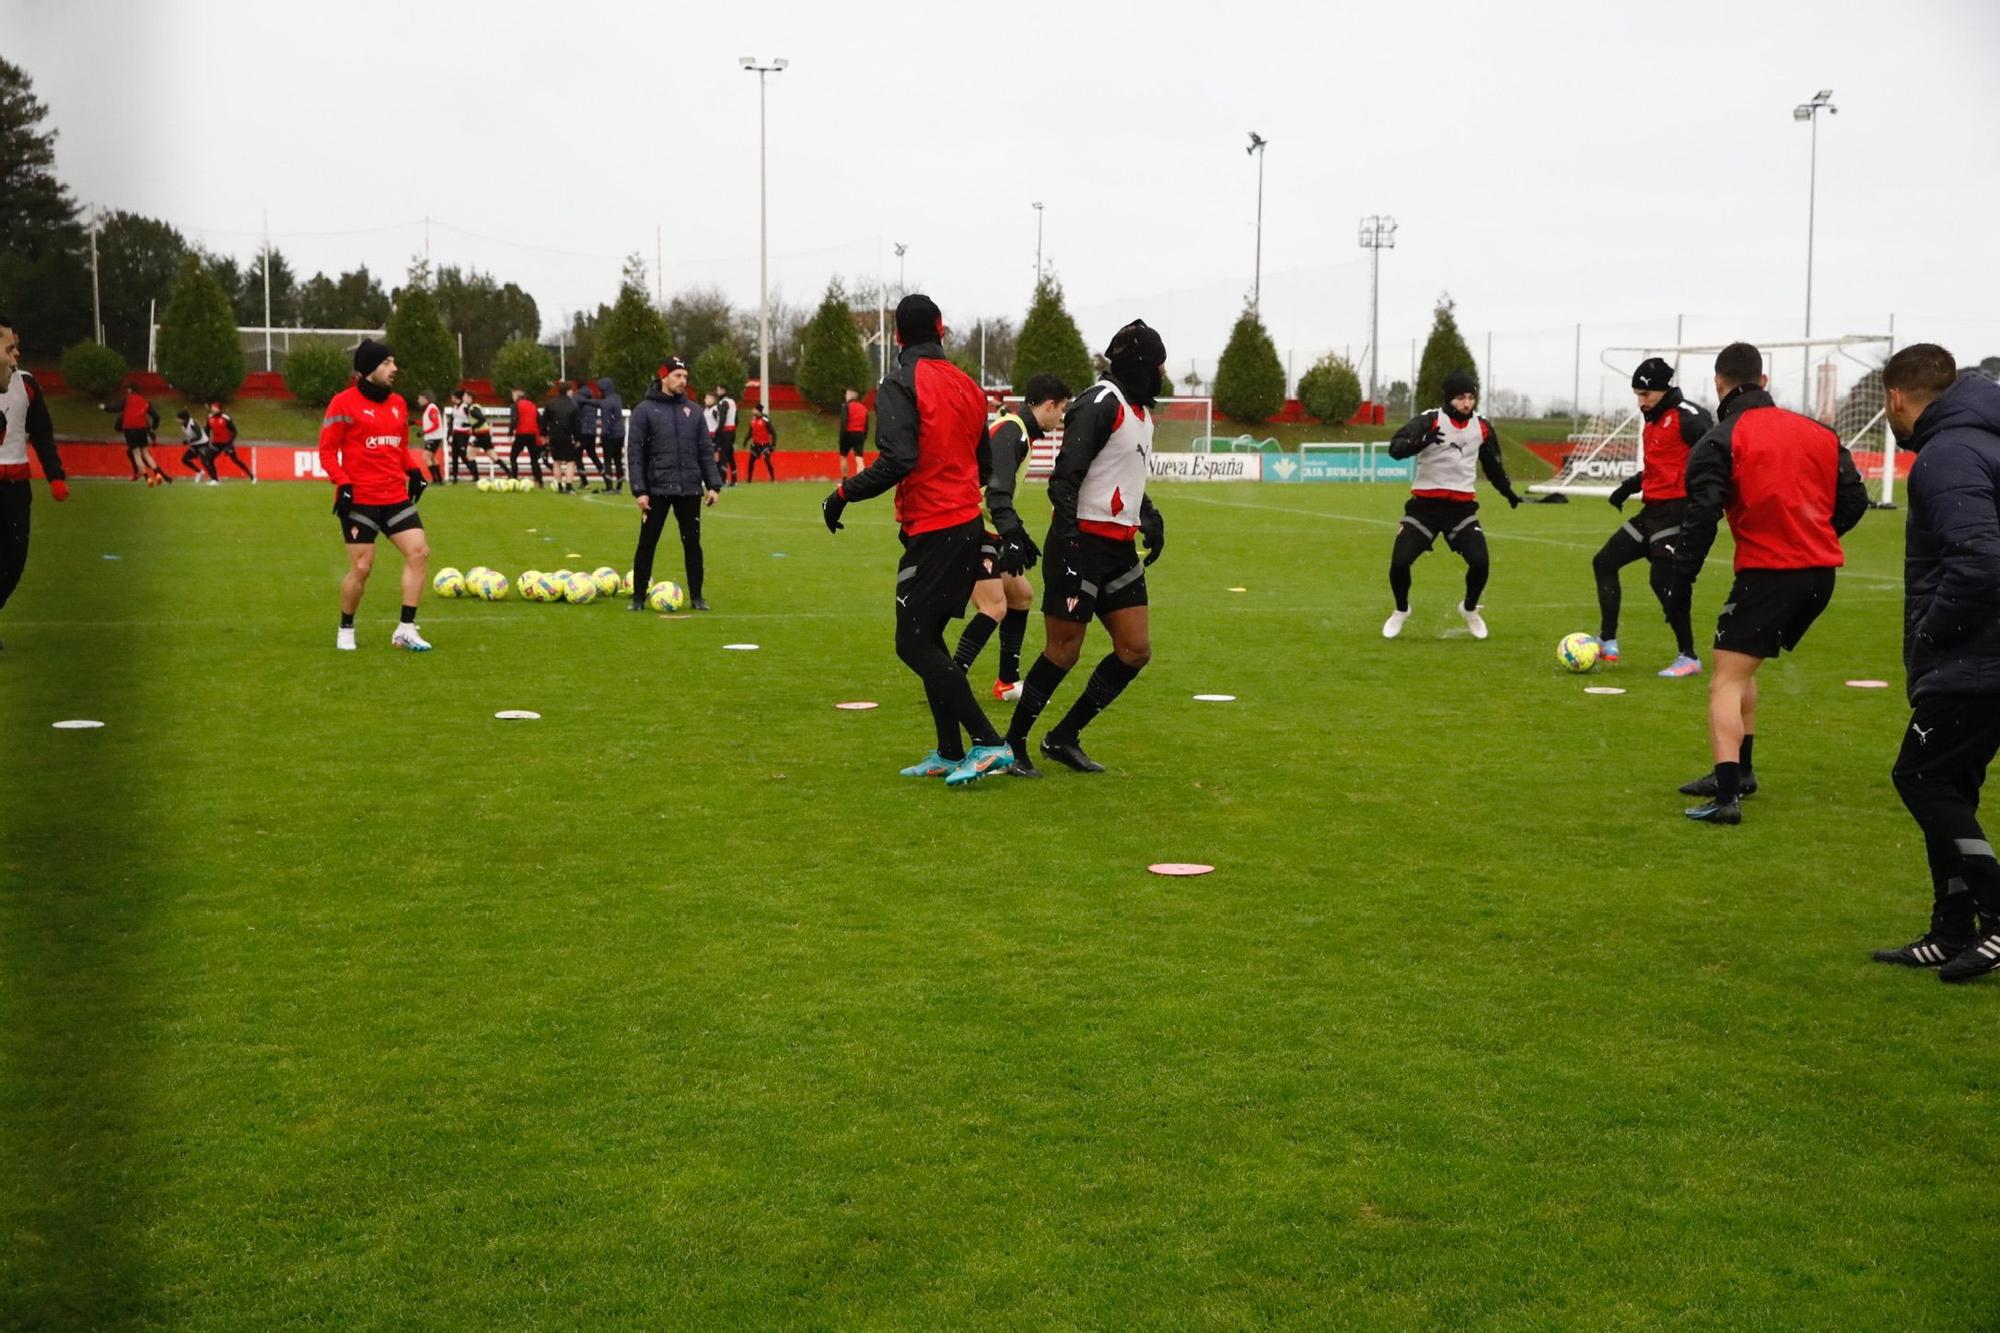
331, 1001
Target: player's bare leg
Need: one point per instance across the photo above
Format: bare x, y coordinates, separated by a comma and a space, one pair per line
416, 556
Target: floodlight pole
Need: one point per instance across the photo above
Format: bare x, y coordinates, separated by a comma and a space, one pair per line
1378, 233
1038, 242
1809, 111
901, 268
776, 65
96, 302
1258, 143
267, 280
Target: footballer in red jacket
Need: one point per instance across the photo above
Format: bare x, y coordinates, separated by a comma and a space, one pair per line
364, 448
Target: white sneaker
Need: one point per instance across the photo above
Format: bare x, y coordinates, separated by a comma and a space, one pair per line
1473, 620
345, 641
1394, 624
406, 636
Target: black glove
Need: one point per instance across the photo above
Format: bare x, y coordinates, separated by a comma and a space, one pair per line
1513, 500
417, 484
1431, 437
343, 500
1153, 528
1616, 500
1018, 552
831, 508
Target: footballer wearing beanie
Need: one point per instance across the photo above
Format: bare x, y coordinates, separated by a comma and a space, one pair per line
364, 448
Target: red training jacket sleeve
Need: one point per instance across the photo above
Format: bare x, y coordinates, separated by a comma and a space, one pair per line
332, 432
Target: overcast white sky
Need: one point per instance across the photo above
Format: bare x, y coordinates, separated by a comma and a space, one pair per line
1615, 164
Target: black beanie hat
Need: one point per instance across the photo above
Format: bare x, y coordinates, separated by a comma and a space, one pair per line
918, 320
1458, 382
1137, 344
370, 355
1653, 373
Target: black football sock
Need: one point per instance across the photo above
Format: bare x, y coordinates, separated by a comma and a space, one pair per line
1475, 584
1013, 630
1952, 915
970, 643
437, 473
1044, 679
409, 615
1728, 783
1105, 684
1399, 585
347, 620
1743, 755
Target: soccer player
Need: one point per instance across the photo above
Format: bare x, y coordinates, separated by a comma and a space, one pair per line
1003, 598
222, 436
137, 420
1951, 649
725, 433
1790, 490
1673, 425
460, 439
364, 448
672, 462
853, 430
559, 420
931, 434
1449, 443
586, 434
24, 424
1093, 569
611, 426
430, 419
194, 454
525, 424
763, 442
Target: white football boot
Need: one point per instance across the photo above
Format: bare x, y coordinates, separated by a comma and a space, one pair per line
406, 636
1394, 624
345, 639
1473, 620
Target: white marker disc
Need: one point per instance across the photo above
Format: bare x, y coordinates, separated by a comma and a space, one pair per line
1239, 590
740, 647
76, 724
857, 706
1216, 698
1602, 689
1867, 684
1180, 868
517, 715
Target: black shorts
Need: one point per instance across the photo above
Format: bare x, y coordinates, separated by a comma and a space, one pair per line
989, 555
1429, 518
1769, 610
364, 523
852, 440
566, 452
937, 571
1085, 575
1655, 526
433, 446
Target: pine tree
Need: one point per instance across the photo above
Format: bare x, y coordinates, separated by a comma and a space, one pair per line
631, 343
1444, 352
199, 351
93, 369
1050, 343
718, 364
426, 353
1331, 390
524, 364
1250, 379
831, 357
36, 211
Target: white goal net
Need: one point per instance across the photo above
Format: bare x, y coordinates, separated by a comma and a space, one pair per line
1847, 395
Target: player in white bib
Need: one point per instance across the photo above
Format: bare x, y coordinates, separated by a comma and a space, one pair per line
24, 424
1451, 444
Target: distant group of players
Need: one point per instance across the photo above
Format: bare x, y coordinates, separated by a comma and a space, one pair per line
207, 434
1783, 482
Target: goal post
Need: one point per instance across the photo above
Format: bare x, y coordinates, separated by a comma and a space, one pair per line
1848, 397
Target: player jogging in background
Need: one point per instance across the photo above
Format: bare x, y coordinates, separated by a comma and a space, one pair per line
222, 437
1450, 443
1790, 491
194, 453
1673, 425
364, 448
931, 433
24, 424
763, 443
431, 425
1951, 649
1091, 567
1003, 598
459, 438
853, 430
525, 424
725, 433
611, 427
137, 420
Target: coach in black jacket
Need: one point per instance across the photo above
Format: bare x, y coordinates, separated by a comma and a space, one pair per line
1951, 649
672, 463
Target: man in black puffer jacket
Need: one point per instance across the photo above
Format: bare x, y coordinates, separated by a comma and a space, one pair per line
611, 426
1951, 648
672, 464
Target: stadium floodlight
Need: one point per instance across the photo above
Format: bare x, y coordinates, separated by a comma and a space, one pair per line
1256, 149
774, 66
1038, 242
1378, 233
1809, 112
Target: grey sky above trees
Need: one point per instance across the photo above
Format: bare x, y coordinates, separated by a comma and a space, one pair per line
1548, 164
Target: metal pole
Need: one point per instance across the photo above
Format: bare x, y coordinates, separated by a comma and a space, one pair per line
1576, 382
1257, 283
96, 304
982, 353
1486, 397
1679, 338
152, 333
1888, 500
1374, 320
1812, 208
659, 251
1038, 242
267, 282
763, 259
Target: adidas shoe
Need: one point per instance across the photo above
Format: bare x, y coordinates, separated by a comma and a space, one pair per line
1705, 785
1394, 624
345, 639
979, 762
1975, 960
1681, 668
1006, 691
1717, 812
1927, 950
1607, 650
406, 636
1070, 755
932, 765
1473, 621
